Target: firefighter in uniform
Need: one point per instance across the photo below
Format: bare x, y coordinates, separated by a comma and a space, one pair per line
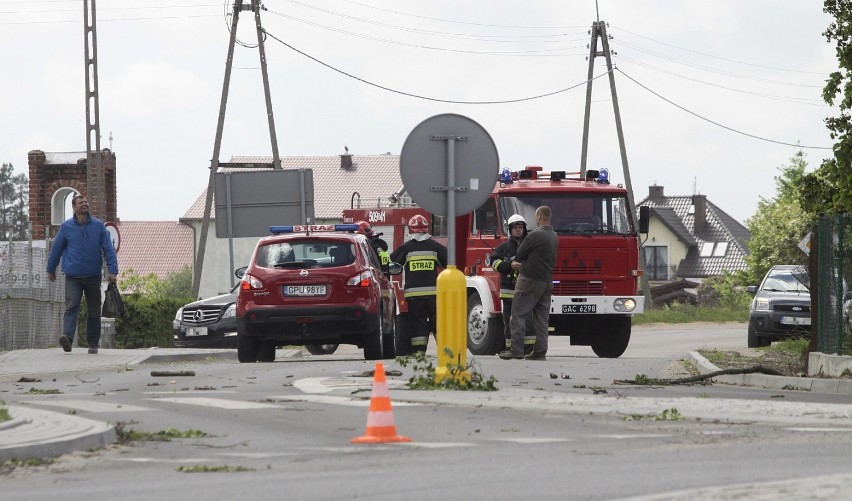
376, 241
421, 256
501, 260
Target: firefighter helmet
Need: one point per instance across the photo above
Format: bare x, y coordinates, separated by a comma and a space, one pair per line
365, 228
516, 219
418, 224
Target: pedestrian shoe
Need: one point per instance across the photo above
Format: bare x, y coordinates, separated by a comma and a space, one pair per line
536, 356
65, 343
93, 350
509, 355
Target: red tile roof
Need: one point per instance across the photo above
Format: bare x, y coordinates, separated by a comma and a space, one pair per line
158, 247
373, 177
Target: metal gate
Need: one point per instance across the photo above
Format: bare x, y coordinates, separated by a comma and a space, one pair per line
834, 265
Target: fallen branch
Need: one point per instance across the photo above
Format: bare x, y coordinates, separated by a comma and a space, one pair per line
703, 377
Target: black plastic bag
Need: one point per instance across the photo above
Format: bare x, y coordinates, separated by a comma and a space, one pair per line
113, 304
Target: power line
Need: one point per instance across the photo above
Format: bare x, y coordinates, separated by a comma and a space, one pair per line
790, 99
549, 52
101, 20
714, 70
463, 36
464, 22
717, 123
719, 57
427, 98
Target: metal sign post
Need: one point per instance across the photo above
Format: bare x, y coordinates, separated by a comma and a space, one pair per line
475, 164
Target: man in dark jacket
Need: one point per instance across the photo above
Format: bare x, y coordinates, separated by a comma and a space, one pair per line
501, 260
534, 263
82, 244
421, 256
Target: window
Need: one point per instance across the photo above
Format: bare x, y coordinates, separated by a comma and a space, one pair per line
713, 249
656, 262
485, 218
721, 249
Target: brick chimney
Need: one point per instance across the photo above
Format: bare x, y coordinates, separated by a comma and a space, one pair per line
655, 193
346, 160
699, 203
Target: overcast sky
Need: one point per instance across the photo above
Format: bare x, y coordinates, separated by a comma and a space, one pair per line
725, 82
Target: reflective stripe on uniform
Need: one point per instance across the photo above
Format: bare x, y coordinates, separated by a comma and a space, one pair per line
420, 291
507, 293
419, 340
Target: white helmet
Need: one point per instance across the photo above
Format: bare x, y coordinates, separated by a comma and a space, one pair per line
516, 219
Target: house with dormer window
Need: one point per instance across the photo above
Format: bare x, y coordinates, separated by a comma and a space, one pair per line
690, 238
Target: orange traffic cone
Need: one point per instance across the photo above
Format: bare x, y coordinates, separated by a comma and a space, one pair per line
380, 424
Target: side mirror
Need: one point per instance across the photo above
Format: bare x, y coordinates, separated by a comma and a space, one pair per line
394, 268
644, 216
752, 289
239, 272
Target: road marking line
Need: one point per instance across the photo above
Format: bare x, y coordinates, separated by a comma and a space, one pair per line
328, 384
333, 399
165, 460
89, 406
220, 403
522, 440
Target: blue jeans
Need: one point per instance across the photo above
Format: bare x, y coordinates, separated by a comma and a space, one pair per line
75, 287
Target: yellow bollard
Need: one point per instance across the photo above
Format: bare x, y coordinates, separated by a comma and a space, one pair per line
451, 305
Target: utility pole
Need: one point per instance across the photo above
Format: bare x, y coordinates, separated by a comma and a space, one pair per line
94, 163
217, 143
599, 32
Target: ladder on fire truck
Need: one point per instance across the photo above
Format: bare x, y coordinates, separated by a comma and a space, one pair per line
217, 144
598, 31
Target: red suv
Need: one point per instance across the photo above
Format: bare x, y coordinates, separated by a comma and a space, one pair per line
315, 285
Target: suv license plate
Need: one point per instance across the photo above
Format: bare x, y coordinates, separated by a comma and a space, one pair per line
796, 320
579, 308
304, 290
196, 331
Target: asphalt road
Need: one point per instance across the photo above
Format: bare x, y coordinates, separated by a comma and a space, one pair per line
289, 424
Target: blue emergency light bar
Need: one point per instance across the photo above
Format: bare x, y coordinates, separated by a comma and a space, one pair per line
277, 230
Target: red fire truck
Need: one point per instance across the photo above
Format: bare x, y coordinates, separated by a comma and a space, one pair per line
597, 273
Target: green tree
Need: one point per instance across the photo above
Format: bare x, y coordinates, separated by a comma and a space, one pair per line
779, 224
829, 188
176, 285
14, 204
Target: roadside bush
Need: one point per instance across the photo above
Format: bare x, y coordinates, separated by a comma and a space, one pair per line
723, 291
150, 305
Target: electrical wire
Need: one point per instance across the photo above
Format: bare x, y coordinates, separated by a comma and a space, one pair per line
463, 36
464, 22
548, 52
753, 136
719, 57
789, 99
426, 98
228, 15
102, 20
714, 70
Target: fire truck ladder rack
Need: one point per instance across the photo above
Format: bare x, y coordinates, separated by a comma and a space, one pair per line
214, 162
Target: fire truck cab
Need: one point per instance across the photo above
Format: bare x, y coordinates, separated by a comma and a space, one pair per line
596, 275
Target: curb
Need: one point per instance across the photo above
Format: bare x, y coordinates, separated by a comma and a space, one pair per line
38, 434
817, 385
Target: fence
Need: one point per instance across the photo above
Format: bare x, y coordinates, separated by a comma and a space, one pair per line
31, 306
834, 284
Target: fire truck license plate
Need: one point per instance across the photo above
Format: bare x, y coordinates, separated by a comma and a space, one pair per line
579, 308
304, 290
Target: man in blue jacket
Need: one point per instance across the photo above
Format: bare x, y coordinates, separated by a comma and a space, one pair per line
82, 243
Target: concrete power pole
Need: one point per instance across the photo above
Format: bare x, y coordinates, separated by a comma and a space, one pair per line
599, 32
217, 144
95, 184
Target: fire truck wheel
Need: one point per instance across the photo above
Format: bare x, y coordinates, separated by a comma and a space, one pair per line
247, 349
402, 335
266, 351
484, 335
321, 349
615, 342
373, 342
